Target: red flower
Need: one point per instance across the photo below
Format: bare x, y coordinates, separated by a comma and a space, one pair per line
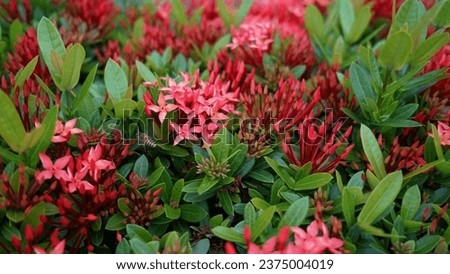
92, 161
53, 170
318, 145
89, 21
162, 108
62, 132
315, 240
11, 11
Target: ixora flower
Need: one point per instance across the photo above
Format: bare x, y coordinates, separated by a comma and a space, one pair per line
63, 132
318, 144
11, 10
202, 107
444, 133
315, 239
53, 169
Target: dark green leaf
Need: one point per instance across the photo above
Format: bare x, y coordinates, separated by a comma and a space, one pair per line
141, 166
48, 126
361, 85
116, 222
262, 222
192, 213
373, 152
136, 231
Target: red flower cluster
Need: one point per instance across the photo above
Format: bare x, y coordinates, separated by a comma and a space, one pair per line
10, 10
315, 240
318, 144
89, 21
202, 107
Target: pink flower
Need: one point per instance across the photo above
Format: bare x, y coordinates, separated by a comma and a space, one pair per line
444, 133
51, 169
76, 180
162, 108
58, 249
62, 132
92, 161
185, 132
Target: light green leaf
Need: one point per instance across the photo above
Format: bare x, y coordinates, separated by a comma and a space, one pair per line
348, 207
145, 72
115, 81
49, 39
346, 15
429, 47
11, 127
410, 203
72, 66
26, 72
395, 52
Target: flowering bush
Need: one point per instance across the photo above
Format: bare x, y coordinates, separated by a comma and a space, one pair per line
224, 126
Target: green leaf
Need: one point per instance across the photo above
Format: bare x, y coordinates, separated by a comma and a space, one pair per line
410, 203
172, 213
348, 207
313, 181
15, 31
429, 47
179, 12
141, 166
177, 191
296, 213
115, 81
136, 231
262, 222
125, 108
10, 156
123, 207
373, 152
408, 15
11, 127
207, 184
72, 66
145, 72
225, 202
140, 247
395, 52
49, 39
346, 15
426, 244
84, 90
249, 215
15, 215
360, 24
381, 198
48, 126
116, 222
26, 72
314, 22
173, 150
228, 234
442, 19
202, 247
242, 11
33, 215
192, 213
262, 176
284, 175
360, 84
224, 13
123, 247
